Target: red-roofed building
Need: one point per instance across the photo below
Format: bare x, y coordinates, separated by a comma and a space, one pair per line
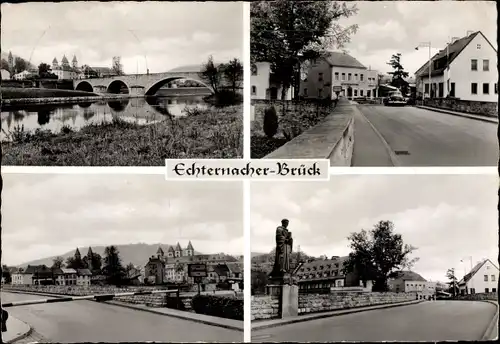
466, 69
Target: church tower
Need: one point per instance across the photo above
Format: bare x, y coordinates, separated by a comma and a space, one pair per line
90, 254
77, 254
160, 253
64, 62
171, 252
178, 250
190, 249
55, 64
74, 62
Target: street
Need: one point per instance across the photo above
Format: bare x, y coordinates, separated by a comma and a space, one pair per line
419, 137
427, 321
89, 321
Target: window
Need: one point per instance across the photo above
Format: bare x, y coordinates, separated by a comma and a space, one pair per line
493, 290
320, 77
472, 290
473, 64
343, 76
355, 93
336, 75
360, 93
427, 88
452, 89
320, 94
478, 46
486, 88
486, 65
356, 77
349, 76
496, 88
254, 90
254, 69
361, 77
473, 88
441, 89
486, 290
368, 93
486, 278
305, 95
493, 278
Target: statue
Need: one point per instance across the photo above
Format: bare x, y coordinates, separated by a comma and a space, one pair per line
284, 243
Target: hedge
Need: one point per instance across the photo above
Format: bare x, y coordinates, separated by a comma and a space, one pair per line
218, 305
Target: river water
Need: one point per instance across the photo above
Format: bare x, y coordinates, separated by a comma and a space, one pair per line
55, 116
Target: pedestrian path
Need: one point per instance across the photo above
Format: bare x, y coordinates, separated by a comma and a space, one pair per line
16, 329
461, 114
301, 318
190, 316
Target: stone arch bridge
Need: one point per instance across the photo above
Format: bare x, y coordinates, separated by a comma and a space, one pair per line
135, 84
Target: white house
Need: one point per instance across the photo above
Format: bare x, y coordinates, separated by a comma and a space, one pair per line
23, 75
21, 278
5, 74
465, 69
83, 277
262, 84
66, 276
338, 72
483, 278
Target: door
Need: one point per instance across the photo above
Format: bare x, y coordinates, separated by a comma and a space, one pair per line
273, 92
349, 92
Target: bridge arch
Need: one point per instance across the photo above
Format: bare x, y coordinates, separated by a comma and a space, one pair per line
84, 86
118, 86
151, 91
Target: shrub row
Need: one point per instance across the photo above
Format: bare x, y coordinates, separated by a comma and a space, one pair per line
220, 306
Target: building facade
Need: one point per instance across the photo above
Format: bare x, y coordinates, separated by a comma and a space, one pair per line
411, 282
465, 69
483, 278
264, 85
65, 71
338, 72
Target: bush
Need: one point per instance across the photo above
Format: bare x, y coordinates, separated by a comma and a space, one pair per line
219, 306
270, 122
174, 303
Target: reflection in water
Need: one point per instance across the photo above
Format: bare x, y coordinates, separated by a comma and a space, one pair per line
54, 116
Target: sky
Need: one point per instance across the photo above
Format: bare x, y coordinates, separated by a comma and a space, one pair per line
389, 27
155, 35
47, 215
448, 218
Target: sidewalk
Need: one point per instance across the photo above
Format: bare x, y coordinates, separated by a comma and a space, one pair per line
260, 325
16, 330
461, 114
200, 318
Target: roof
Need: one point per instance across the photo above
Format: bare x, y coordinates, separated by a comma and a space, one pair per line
77, 252
171, 249
234, 267
452, 52
74, 58
89, 251
160, 251
54, 60
178, 247
68, 271
221, 269
408, 276
84, 272
339, 59
64, 59
474, 270
319, 267
190, 246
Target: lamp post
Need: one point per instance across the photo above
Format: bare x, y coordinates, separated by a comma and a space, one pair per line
427, 45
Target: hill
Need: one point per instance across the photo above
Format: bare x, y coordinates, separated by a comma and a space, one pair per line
137, 254
5, 56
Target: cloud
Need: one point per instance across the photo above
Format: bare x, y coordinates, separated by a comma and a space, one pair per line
446, 217
170, 34
80, 210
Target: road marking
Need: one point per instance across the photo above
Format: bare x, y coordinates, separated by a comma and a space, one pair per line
261, 336
392, 156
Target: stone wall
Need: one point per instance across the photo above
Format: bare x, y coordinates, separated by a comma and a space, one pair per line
477, 297
265, 307
467, 106
313, 303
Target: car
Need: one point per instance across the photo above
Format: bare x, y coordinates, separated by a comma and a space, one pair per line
394, 98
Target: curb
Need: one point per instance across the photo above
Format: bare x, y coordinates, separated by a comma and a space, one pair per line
21, 336
392, 156
179, 316
476, 117
348, 311
491, 326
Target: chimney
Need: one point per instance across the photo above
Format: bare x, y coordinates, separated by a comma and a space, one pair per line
470, 32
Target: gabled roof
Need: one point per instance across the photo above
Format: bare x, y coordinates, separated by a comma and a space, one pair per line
190, 246
178, 247
160, 251
54, 60
84, 272
408, 276
454, 49
68, 271
339, 59
234, 267
474, 270
319, 267
221, 270
64, 59
171, 249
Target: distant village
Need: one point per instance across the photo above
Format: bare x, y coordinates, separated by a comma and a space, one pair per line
171, 269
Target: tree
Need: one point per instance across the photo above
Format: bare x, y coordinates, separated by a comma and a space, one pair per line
378, 253
5, 65
6, 274
287, 33
75, 262
453, 282
94, 263
58, 262
211, 74
233, 72
399, 74
45, 71
117, 66
20, 65
113, 268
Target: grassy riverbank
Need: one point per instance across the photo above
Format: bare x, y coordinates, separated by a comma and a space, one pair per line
211, 133
17, 93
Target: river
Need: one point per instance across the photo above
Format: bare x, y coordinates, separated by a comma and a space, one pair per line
55, 116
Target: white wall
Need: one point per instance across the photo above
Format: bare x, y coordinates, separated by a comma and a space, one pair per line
22, 279
463, 76
423, 287
478, 280
260, 82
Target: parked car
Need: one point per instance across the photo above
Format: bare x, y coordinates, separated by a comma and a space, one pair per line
395, 98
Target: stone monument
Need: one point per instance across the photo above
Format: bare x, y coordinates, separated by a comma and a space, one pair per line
281, 280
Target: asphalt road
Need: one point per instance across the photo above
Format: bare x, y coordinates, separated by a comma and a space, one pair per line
427, 321
89, 321
420, 137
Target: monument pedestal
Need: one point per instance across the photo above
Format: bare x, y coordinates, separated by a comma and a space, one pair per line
288, 293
